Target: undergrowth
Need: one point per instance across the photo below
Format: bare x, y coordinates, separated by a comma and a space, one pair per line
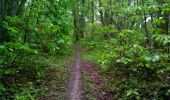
89, 88
57, 77
128, 68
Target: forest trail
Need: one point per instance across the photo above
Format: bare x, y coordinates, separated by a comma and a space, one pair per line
74, 91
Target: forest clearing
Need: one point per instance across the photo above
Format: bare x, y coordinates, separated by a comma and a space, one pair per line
84, 49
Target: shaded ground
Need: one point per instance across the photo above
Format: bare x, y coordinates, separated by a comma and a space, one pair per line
95, 78
75, 86
75, 90
57, 77
65, 81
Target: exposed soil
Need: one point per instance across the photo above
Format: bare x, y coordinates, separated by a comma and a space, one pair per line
56, 89
75, 90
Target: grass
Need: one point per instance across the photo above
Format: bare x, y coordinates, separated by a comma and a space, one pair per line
90, 55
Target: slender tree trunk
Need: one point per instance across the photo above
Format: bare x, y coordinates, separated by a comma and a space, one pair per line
82, 21
92, 16
168, 32
75, 13
21, 7
101, 13
166, 28
146, 27
111, 13
75, 25
1, 17
152, 42
106, 17
145, 23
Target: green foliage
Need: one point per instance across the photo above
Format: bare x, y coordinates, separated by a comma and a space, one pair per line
132, 38
140, 70
34, 30
104, 32
162, 39
27, 94
142, 74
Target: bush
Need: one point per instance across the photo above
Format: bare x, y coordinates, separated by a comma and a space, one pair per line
143, 73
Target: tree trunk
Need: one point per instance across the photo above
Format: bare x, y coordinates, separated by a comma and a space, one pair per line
21, 7
1, 18
101, 13
75, 13
92, 17
82, 21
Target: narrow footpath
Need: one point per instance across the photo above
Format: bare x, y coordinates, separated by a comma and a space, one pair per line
75, 90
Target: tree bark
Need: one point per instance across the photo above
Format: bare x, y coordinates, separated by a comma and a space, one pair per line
82, 20
1, 18
101, 13
75, 12
92, 17
21, 7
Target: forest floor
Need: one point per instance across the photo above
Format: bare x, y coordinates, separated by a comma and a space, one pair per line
84, 75
75, 79
57, 77
75, 91
99, 92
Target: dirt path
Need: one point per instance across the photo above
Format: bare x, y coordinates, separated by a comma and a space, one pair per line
75, 84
